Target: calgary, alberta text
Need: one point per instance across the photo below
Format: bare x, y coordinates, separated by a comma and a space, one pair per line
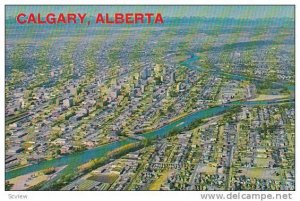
80, 18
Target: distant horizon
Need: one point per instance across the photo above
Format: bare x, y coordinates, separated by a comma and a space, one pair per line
216, 11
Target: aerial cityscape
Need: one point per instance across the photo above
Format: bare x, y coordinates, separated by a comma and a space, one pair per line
196, 103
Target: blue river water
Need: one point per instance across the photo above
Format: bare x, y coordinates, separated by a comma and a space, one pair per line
190, 63
76, 159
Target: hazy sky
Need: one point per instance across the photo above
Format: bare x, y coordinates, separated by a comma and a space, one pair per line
251, 12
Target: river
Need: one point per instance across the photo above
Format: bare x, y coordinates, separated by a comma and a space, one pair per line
76, 159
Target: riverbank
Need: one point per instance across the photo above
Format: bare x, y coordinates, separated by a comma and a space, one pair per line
76, 159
